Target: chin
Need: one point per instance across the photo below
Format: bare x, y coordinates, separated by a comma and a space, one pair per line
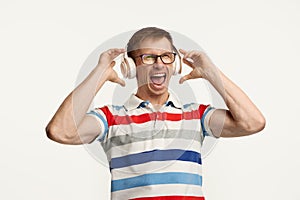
157, 90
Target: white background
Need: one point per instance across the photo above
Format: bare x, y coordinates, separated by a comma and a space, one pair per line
44, 43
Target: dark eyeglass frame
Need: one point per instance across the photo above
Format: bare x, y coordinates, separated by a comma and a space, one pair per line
142, 56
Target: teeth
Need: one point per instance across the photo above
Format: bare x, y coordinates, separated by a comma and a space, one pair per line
158, 75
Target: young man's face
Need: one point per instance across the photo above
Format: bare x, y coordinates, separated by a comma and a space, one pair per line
154, 78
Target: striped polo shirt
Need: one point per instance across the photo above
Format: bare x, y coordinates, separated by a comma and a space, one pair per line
154, 154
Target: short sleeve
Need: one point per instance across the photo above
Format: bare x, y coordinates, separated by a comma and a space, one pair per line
205, 114
100, 116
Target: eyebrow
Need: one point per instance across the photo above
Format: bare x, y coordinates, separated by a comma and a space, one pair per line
152, 52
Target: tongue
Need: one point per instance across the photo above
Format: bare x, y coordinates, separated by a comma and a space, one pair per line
158, 80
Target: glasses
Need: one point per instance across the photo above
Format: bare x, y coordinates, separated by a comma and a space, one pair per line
149, 59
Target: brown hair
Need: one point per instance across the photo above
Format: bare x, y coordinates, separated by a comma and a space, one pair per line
145, 33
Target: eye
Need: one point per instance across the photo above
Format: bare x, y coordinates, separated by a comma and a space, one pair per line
167, 57
149, 57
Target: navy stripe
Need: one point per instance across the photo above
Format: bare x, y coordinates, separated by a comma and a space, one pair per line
143, 104
155, 155
156, 179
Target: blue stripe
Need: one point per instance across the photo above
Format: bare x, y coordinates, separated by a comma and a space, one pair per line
187, 105
155, 155
156, 179
117, 107
104, 122
205, 133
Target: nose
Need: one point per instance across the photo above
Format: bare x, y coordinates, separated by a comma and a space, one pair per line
158, 64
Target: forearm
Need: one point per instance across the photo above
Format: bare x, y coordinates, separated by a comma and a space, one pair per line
84, 94
243, 117
70, 123
73, 109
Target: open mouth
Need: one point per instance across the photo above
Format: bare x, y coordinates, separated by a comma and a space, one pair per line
158, 79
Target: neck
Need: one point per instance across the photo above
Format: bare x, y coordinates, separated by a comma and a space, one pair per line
155, 99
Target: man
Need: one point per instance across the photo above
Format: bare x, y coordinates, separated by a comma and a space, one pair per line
153, 142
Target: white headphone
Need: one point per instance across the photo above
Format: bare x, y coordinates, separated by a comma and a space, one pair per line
128, 67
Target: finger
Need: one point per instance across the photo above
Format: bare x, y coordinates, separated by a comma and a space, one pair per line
193, 57
189, 55
112, 64
113, 53
182, 51
188, 63
115, 50
120, 81
197, 56
184, 78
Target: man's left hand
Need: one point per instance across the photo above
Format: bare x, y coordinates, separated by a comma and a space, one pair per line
199, 62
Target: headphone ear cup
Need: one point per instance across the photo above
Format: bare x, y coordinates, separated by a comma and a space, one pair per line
177, 65
128, 68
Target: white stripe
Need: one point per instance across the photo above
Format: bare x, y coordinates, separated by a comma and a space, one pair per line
102, 126
119, 130
140, 111
156, 167
158, 190
149, 145
206, 121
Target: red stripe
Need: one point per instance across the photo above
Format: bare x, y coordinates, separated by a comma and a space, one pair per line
108, 114
146, 117
161, 116
201, 109
170, 198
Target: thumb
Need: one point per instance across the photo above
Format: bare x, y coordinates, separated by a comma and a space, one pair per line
184, 78
120, 81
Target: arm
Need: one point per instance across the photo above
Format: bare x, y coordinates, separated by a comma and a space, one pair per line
71, 124
243, 117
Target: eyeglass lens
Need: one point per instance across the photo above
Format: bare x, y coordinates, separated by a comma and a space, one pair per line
166, 58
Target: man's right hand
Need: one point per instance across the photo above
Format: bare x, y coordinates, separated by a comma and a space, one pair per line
106, 60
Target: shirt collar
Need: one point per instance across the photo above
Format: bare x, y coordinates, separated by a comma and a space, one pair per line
135, 102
